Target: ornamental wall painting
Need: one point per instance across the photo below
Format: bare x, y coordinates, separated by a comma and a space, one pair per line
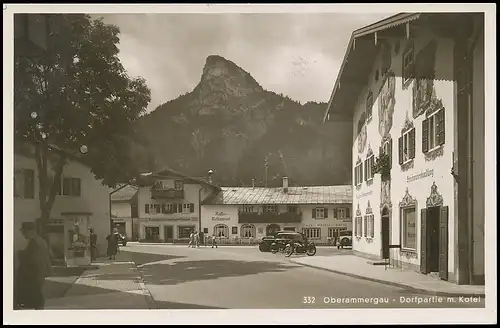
386, 103
362, 139
424, 92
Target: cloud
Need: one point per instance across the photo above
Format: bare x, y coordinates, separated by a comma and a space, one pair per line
298, 55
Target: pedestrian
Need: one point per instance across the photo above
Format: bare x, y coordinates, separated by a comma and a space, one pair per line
93, 245
197, 239
214, 242
191, 239
34, 266
112, 244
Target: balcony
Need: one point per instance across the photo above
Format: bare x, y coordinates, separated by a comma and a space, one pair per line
269, 217
166, 194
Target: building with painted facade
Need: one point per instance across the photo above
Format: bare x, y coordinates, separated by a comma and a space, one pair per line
168, 205
250, 213
81, 203
414, 85
124, 211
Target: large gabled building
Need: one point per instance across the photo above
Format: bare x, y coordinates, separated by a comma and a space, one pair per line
414, 85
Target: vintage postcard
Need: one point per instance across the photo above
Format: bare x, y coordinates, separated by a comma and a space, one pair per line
249, 164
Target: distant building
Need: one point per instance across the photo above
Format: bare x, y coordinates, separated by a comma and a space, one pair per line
81, 203
414, 85
124, 211
169, 205
254, 212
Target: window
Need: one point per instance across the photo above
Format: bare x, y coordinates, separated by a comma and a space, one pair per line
409, 228
292, 209
188, 208
365, 226
71, 187
270, 208
408, 64
369, 105
369, 163
234, 230
358, 225
178, 185
247, 209
185, 231
320, 213
168, 208
407, 146
369, 226
247, 231
24, 183
358, 173
433, 131
221, 231
342, 213
312, 233
335, 232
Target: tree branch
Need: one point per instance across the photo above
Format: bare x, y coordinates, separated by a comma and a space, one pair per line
42, 176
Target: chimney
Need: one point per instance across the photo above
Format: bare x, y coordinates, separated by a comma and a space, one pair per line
285, 184
210, 172
253, 183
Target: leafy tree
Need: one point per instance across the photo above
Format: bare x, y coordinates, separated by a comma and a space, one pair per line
77, 94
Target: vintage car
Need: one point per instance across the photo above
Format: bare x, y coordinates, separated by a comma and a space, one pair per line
122, 240
345, 239
267, 241
282, 239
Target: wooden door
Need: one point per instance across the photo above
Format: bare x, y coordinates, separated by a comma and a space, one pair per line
443, 243
385, 236
424, 268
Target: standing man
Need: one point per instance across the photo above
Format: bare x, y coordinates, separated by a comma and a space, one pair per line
34, 267
93, 245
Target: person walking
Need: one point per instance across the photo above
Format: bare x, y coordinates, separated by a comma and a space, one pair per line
34, 266
196, 239
112, 244
93, 245
214, 242
191, 239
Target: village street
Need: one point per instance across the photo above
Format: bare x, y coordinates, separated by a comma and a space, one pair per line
241, 277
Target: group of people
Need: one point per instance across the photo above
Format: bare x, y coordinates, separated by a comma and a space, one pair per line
195, 238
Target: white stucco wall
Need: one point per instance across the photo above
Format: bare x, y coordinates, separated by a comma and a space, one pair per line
121, 212
94, 200
441, 166
213, 215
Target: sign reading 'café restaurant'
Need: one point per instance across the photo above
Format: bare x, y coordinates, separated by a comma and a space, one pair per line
221, 216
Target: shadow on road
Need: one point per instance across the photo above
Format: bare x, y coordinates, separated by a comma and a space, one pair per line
186, 271
144, 258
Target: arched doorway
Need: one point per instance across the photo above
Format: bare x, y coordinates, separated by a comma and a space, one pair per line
271, 229
385, 220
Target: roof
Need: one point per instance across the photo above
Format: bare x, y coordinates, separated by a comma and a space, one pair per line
125, 194
295, 195
167, 172
361, 52
26, 148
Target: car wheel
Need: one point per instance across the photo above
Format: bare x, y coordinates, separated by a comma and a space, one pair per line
345, 242
262, 248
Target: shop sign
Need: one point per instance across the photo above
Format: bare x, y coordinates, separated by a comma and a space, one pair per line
192, 218
221, 216
118, 220
329, 225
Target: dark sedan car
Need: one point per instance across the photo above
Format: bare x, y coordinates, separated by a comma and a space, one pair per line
266, 242
122, 240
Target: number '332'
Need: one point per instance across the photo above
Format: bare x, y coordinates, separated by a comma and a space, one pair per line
309, 300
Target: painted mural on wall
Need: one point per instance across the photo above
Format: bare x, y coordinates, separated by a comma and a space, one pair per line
386, 57
362, 139
386, 103
424, 92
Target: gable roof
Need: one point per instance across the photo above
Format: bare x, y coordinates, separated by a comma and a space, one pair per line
166, 172
126, 194
296, 195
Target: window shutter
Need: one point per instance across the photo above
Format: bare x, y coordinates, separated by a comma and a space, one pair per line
178, 208
66, 186
326, 213
313, 213
191, 208
335, 213
29, 183
412, 143
401, 150
146, 208
366, 171
365, 226
361, 172
440, 127
347, 212
164, 208
425, 136
390, 153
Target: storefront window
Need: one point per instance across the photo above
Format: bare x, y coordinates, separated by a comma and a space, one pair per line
247, 231
312, 233
152, 233
408, 227
185, 231
221, 231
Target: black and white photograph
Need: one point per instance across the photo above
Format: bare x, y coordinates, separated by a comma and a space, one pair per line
249, 164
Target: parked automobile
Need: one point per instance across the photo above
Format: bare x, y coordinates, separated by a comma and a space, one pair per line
122, 240
299, 244
345, 239
267, 241
281, 240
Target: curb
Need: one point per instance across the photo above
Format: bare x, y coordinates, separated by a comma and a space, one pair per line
394, 284
145, 291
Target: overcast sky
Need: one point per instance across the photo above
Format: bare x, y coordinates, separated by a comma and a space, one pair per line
298, 55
